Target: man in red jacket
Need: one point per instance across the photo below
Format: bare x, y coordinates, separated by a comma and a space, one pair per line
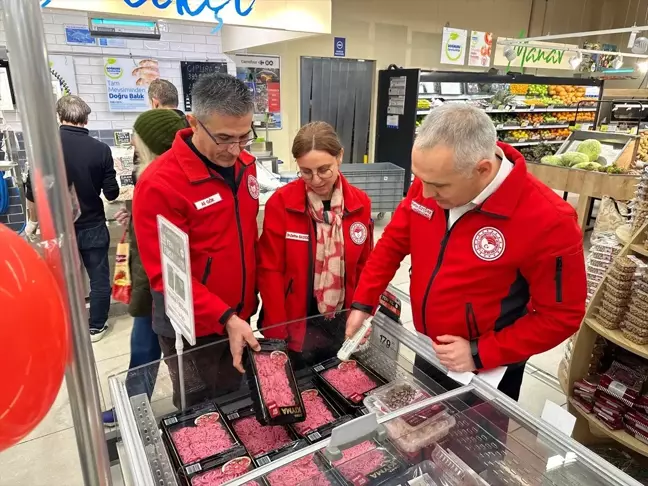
498, 272
206, 185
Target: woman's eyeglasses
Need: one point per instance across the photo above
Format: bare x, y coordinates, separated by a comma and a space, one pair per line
322, 172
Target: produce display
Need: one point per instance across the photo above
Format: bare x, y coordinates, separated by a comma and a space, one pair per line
536, 152
642, 151
423, 104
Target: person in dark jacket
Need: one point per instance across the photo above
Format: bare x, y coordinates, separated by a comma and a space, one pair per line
153, 134
90, 170
317, 236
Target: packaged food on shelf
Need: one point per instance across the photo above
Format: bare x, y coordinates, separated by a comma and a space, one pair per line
639, 299
635, 338
614, 283
637, 420
642, 404
612, 309
257, 438
585, 406
607, 319
307, 471
199, 434
636, 321
638, 311
220, 471
321, 415
623, 382
349, 381
273, 388
369, 462
637, 434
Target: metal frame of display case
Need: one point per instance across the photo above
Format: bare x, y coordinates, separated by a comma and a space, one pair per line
138, 448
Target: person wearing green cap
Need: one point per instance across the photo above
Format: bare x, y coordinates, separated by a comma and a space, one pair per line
153, 134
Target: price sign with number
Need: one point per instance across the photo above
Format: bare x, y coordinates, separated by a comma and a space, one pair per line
382, 338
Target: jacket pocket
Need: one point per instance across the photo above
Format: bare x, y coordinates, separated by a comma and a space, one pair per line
471, 322
207, 271
559, 279
289, 288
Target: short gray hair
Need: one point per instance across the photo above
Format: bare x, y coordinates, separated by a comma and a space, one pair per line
165, 92
72, 109
466, 129
222, 94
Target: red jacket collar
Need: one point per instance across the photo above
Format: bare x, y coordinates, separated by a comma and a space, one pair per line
194, 168
295, 199
504, 200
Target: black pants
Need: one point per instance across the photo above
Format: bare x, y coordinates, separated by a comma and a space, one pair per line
93, 246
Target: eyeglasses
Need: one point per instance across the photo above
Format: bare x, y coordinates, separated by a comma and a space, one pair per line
322, 172
241, 143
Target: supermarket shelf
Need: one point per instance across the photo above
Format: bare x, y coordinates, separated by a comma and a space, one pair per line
618, 338
427, 96
536, 142
422, 112
540, 110
621, 436
639, 249
531, 127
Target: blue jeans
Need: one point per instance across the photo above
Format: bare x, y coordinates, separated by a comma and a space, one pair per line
93, 247
145, 348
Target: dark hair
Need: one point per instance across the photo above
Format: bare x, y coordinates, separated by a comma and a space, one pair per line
72, 109
317, 135
221, 93
165, 92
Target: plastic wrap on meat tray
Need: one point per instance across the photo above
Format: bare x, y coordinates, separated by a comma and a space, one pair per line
307, 471
321, 415
273, 388
413, 431
217, 472
368, 463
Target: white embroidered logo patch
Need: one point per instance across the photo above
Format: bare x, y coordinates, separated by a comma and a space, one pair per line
208, 201
422, 210
253, 186
358, 233
489, 244
297, 236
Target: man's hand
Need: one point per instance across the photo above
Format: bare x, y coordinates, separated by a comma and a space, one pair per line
122, 217
240, 335
354, 322
454, 353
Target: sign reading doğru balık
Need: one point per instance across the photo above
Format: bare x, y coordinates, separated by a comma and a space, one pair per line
539, 55
127, 81
453, 46
262, 74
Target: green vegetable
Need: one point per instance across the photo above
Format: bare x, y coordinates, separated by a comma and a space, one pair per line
587, 166
551, 160
591, 148
570, 159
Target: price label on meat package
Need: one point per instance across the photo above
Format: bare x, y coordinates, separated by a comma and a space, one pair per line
383, 339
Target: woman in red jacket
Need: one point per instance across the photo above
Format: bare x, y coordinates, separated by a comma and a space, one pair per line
317, 235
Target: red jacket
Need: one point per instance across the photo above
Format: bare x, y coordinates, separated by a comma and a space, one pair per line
509, 275
222, 231
286, 256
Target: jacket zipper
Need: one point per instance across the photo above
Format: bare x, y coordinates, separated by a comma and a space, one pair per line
471, 322
239, 307
311, 267
289, 289
559, 269
207, 271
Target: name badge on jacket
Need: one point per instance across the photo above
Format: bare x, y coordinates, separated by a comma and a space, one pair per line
297, 236
208, 201
422, 210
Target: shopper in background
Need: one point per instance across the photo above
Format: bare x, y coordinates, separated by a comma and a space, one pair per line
153, 134
317, 235
206, 185
90, 170
164, 95
498, 273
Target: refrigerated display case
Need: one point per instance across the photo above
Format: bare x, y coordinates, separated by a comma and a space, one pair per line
406, 428
532, 113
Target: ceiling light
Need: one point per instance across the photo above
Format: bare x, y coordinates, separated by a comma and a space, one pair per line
618, 62
576, 60
642, 66
509, 53
640, 45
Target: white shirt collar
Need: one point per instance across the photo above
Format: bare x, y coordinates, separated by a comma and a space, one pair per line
504, 170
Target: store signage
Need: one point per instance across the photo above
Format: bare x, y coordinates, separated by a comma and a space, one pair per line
127, 81
480, 48
63, 75
453, 46
542, 55
79, 35
262, 74
339, 46
191, 71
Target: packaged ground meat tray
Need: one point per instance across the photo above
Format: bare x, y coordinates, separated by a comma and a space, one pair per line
368, 463
307, 471
349, 381
321, 415
220, 471
199, 434
415, 430
259, 439
273, 388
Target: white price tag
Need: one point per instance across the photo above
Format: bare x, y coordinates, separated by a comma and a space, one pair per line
385, 341
176, 274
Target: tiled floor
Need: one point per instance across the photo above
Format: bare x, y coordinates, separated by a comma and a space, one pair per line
49, 456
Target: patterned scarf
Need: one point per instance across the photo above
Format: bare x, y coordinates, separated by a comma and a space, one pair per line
329, 256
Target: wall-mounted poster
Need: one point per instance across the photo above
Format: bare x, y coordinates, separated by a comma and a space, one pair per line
453, 46
191, 71
127, 81
262, 74
481, 44
63, 75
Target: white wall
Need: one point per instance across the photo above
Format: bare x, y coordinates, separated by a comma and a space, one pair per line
184, 41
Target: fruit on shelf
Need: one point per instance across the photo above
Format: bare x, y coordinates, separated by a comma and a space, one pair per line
612, 169
550, 160
531, 118
423, 104
587, 166
519, 89
538, 90
535, 153
642, 151
502, 98
570, 159
591, 148
568, 95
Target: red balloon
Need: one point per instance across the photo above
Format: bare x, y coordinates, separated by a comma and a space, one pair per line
33, 335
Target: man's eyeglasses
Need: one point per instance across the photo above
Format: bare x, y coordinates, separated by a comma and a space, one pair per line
322, 172
241, 143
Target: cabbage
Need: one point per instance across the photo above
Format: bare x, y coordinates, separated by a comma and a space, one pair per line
591, 148
570, 159
587, 166
550, 160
